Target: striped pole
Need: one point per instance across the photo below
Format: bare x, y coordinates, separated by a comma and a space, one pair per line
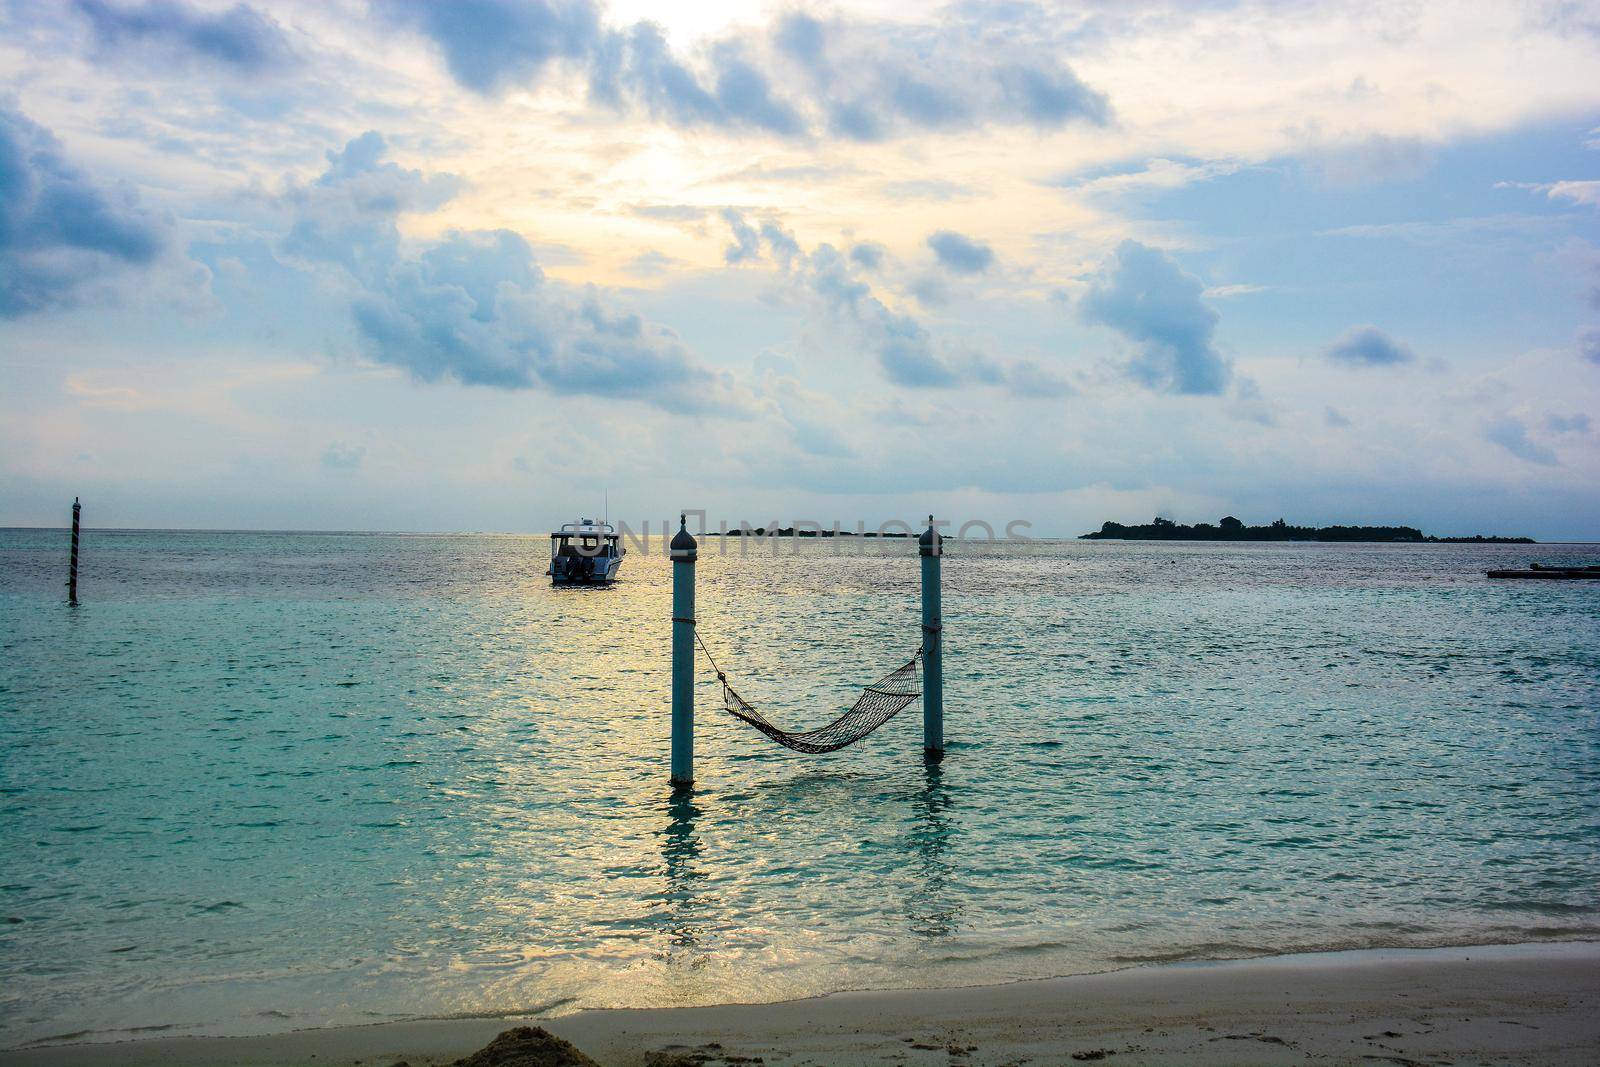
931, 546
684, 551
72, 568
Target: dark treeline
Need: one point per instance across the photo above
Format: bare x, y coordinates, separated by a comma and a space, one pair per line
1231, 529
790, 531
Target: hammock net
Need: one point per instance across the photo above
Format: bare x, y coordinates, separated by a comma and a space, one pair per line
878, 703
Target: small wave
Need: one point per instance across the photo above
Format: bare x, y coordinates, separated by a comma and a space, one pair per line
1211, 950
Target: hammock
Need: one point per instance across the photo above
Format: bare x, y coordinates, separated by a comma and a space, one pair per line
878, 703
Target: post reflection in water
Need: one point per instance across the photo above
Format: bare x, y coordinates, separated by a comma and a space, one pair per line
932, 909
684, 911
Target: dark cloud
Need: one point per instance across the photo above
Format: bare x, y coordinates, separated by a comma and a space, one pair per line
1050, 95
475, 307
347, 216
1510, 434
907, 354
59, 231
869, 81
961, 254
738, 95
797, 78
239, 37
868, 255
929, 290
1578, 423
1368, 346
1145, 296
491, 45
1589, 346
746, 240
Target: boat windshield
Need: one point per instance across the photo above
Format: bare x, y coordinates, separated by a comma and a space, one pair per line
567, 545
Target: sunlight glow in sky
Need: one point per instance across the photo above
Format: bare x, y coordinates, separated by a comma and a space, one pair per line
409, 265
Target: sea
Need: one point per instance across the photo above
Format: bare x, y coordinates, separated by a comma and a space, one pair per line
264, 781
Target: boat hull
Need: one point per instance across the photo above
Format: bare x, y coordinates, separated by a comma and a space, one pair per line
600, 570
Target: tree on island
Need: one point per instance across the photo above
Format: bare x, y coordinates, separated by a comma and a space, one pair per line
1229, 528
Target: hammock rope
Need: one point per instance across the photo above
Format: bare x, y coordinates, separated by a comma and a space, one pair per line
878, 703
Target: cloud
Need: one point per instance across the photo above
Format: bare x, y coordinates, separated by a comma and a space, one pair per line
1334, 418
650, 264
871, 81
868, 255
1249, 404
1154, 174
746, 241
474, 306
926, 189
906, 353
1367, 346
339, 456
1578, 423
806, 413
797, 78
638, 66
1145, 296
1510, 434
903, 349
1028, 380
1577, 192
1375, 160
669, 212
801, 173
1589, 346
239, 37
929, 290
59, 231
961, 254
492, 45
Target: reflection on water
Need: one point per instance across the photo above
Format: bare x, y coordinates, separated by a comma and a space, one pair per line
338, 778
684, 909
933, 909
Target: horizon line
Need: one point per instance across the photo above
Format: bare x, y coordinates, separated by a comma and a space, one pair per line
1594, 540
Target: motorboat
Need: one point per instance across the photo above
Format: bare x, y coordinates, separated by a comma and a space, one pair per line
585, 552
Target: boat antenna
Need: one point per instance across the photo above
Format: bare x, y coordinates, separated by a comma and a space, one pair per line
606, 506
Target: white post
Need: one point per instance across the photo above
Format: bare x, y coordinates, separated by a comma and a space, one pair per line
684, 551
931, 546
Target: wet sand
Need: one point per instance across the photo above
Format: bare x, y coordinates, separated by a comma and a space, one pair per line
1526, 1004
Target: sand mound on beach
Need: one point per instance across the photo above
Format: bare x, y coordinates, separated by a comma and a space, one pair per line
527, 1046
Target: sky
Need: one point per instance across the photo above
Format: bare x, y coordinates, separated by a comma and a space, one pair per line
397, 265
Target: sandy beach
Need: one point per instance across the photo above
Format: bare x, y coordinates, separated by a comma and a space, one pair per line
1533, 1004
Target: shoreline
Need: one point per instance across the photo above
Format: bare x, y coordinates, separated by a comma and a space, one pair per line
1536, 1002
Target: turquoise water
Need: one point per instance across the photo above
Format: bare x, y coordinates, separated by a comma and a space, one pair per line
265, 781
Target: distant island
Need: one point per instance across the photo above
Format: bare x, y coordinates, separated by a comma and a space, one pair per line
1231, 529
804, 531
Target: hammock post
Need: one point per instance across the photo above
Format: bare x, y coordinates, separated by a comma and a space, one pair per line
931, 546
684, 550
72, 565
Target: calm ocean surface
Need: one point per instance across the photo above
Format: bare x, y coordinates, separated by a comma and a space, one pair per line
266, 781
